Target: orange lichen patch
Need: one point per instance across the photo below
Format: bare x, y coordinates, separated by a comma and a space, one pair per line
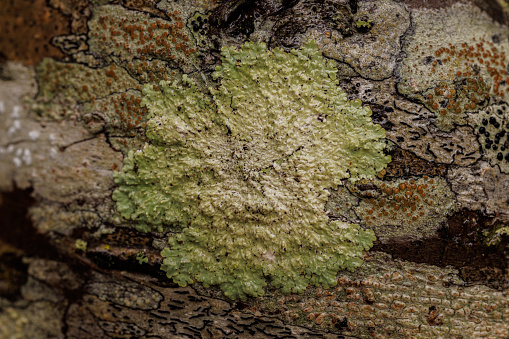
27, 28
150, 71
133, 36
79, 82
124, 118
413, 208
462, 77
402, 196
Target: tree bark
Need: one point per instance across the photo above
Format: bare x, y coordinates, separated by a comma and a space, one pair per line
433, 73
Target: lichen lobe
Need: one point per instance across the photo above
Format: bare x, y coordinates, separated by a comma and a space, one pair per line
244, 171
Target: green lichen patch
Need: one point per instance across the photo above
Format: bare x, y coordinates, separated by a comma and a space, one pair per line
414, 208
491, 125
142, 259
244, 172
364, 25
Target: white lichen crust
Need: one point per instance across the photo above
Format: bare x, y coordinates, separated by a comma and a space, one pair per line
244, 172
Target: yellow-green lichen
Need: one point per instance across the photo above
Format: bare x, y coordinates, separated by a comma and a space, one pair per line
244, 172
142, 259
363, 23
81, 245
494, 236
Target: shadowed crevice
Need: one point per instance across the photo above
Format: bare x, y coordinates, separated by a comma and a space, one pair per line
459, 244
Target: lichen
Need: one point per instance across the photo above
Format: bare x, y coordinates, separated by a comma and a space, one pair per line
494, 236
81, 83
364, 23
491, 125
412, 208
372, 46
411, 126
451, 65
81, 245
121, 116
128, 36
50, 217
142, 259
391, 298
244, 172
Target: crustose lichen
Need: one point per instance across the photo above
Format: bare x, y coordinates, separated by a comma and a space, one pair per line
244, 172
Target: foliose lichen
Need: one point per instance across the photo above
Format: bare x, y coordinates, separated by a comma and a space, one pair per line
244, 169
81, 245
494, 236
142, 259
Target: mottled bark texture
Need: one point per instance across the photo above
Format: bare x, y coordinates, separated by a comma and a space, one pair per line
75, 262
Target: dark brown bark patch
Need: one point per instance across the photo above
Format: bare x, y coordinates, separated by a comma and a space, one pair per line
406, 163
27, 28
460, 244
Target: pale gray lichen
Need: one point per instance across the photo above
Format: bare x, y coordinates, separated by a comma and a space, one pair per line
244, 172
372, 54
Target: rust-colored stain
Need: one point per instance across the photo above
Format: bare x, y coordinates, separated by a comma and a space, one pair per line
27, 27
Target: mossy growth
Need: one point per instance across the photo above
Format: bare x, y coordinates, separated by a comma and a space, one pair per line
244, 170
